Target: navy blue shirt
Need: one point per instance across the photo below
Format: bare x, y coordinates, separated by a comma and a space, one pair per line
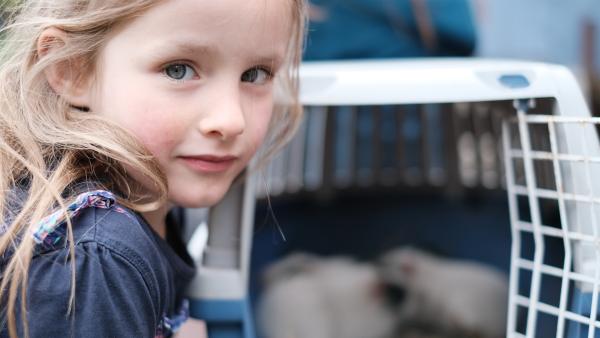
129, 281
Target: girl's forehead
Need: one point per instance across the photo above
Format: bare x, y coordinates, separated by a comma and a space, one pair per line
243, 25
221, 15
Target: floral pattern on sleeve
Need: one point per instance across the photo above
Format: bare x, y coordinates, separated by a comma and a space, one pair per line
50, 230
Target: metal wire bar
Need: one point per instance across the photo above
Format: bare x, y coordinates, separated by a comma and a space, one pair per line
522, 107
543, 155
564, 290
511, 324
595, 233
552, 194
526, 264
552, 310
559, 233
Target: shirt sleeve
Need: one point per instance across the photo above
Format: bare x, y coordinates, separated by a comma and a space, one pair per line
112, 298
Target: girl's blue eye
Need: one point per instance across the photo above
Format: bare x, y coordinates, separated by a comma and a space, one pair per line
257, 75
179, 71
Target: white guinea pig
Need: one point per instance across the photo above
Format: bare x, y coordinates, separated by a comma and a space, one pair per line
447, 295
310, 297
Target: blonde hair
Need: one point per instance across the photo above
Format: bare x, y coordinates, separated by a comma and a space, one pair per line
48, 145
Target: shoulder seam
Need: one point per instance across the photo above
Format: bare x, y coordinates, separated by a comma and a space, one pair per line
132, 257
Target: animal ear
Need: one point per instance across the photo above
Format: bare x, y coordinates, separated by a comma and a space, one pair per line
69, 78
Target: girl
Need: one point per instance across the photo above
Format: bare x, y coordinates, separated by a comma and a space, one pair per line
111, 113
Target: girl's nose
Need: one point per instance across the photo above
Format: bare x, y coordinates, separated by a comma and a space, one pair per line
224, 118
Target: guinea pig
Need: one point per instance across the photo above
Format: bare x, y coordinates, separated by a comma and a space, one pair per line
456, 298
311, 297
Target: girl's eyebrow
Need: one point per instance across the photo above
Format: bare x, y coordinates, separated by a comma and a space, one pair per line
180, 47
193, 48
262, 56
274, 61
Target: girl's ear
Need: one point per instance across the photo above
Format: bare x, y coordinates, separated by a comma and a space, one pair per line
68, 78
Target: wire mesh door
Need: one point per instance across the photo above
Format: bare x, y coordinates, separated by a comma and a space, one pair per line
552, 165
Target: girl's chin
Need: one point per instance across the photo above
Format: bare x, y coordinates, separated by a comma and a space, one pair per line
203, 194
197, 200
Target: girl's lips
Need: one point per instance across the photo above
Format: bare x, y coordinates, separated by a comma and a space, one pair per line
208, 163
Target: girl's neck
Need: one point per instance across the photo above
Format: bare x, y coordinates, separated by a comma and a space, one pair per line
157, 220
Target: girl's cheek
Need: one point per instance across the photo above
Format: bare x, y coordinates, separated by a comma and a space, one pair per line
156, 130
259, 136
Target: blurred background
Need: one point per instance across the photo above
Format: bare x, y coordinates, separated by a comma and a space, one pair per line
541, 30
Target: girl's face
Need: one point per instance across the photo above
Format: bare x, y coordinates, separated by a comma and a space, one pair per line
192, 80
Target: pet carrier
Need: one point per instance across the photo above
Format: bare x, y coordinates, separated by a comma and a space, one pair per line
530, 132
